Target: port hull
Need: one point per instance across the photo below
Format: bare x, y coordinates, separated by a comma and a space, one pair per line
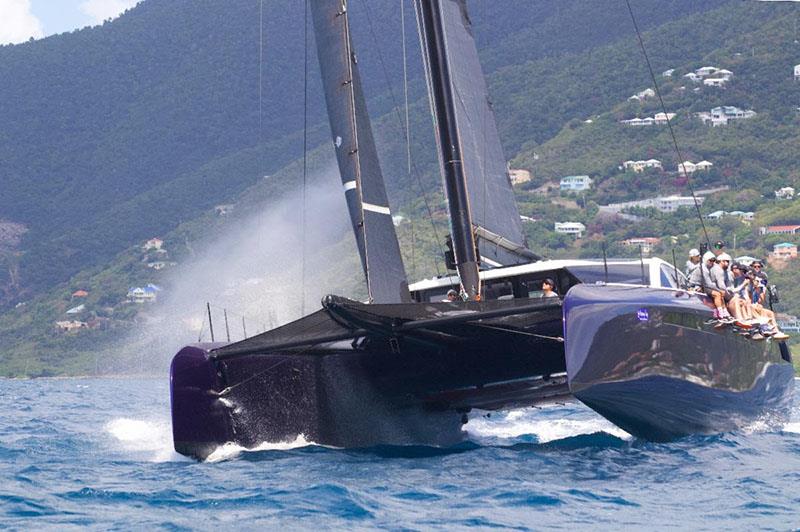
651, 362
409, 388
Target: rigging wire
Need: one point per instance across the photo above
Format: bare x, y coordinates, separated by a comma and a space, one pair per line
681, 166
396, 108
305, 161
408, 130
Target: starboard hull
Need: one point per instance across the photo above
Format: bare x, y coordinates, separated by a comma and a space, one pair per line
650, 362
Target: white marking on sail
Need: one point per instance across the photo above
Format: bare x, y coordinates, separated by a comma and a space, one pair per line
349, 185
375, 208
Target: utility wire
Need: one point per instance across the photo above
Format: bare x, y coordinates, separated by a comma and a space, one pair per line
681, 167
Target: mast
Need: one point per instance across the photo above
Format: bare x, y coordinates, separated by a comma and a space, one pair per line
449, 143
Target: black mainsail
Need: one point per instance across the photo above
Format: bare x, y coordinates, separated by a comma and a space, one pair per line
494, 216
357, 156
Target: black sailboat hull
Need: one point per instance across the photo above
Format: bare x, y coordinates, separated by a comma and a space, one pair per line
412, 387
650, 362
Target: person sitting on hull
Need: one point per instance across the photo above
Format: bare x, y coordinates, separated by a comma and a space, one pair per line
736, 305
452, 296
758, 289
693, 262
747, 288
709, 279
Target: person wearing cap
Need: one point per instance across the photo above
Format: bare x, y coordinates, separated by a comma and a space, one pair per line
452, 295
719, 247
693, 262
735, 304
709, 279
548, 288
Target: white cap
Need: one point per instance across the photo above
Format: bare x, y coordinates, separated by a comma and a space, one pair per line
694, 252
708, 256
723, 256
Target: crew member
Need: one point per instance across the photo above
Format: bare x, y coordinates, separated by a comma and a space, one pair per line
548, 288
693, 262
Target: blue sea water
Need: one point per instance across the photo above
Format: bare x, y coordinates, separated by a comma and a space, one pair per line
97, 453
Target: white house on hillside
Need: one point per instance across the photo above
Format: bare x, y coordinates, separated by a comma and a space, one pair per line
784, 193
575, 183
797, 72
570, 228
715, 82
645, 94
720, 116
641, 166
687, 167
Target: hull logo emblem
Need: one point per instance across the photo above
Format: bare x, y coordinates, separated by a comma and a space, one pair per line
642, 314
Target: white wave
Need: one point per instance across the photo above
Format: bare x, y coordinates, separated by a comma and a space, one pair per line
231, 450
518, 423
792, 427
151, 438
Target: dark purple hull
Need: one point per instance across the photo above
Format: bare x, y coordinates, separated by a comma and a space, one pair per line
649, 361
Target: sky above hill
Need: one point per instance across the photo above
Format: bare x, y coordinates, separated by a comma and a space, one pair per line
21, 20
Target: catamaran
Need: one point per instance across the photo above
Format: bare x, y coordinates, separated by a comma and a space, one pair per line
408, 365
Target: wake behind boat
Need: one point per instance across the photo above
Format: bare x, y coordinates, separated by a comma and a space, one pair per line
407, 367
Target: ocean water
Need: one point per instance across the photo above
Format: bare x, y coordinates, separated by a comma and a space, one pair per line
97, 453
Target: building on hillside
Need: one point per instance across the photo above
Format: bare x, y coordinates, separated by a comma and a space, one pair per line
784, 193
797, 72
646, 243
742, 215
77, 310
570, 228
722, 115
745, 216
641, 166
160, 265
80, 293
645, 94
575, 183
780, 230
71, 325
673, 203
687, 167
784, 251
694, 78
153, 243
706, 71
668, 73
518, 176
661, 203
142, 295
715, 82
703, 166
661, 119
526, 219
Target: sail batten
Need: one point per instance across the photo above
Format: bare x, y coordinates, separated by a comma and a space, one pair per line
357, 155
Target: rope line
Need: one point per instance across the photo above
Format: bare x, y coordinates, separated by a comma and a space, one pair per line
681, 166
396, 108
